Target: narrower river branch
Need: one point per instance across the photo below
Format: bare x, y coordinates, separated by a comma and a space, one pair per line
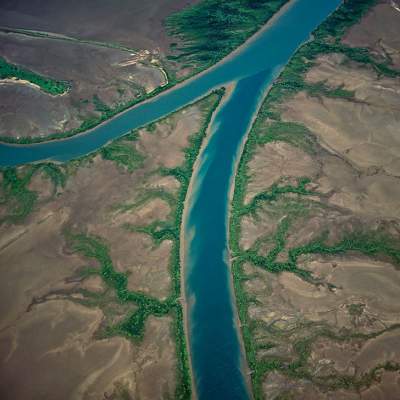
217, 358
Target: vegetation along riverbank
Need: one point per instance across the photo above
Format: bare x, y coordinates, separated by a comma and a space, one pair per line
109, 80
98, 241
314, 226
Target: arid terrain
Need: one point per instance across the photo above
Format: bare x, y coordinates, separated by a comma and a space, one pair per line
317, 237
91, 304
90, 297
110, 53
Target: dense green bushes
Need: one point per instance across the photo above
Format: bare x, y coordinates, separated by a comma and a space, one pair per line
124, 155
92, 247
211, 29
267, 128
48, 85
16, 197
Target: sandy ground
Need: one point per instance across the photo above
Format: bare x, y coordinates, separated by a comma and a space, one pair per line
46, 324
354, 173
113, 75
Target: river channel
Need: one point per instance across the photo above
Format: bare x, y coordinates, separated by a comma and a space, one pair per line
217, 358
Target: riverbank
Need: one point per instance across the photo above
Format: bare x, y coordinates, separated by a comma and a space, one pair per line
247, 370
186, 208
172, 85
191, 194
301, 230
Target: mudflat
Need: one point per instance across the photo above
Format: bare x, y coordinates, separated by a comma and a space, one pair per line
316, 231
109, 53
89, 297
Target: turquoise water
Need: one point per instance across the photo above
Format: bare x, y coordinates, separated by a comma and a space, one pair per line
269, 50
216, 356
214, 342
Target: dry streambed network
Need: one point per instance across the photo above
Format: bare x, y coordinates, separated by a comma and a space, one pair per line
90, 289
315, 228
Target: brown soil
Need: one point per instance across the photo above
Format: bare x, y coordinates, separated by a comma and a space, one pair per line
379, 31
341, 323
280, 160
91, 70
64, 362
54, 319
133, 23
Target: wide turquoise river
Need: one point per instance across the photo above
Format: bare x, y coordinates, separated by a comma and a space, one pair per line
217, 357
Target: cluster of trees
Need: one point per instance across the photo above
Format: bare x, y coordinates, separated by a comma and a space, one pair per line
269, 127
16, 195
124, 155
48, 85
211, 29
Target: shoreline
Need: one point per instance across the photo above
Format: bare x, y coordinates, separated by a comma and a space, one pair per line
247, 372
232, 185
191, 192
190, 196
186, 207
164, 92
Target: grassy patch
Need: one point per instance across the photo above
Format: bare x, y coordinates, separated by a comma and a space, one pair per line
17, 197
211, 29
123, 154
48, 85
268, 128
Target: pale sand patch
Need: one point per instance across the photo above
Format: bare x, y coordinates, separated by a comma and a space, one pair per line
363, 131
33, 262
57, 337
154, 210
164, 146
53, 337
275, 160
93, 283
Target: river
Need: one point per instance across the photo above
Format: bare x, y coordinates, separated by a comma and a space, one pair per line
217, 358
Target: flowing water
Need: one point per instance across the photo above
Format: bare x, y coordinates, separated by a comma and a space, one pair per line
216, 354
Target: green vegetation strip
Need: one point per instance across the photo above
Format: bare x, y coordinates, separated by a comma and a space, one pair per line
48, 85
211, 29
124, 155
227, 25
15, 195
133, 325
268, 128
92, 247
